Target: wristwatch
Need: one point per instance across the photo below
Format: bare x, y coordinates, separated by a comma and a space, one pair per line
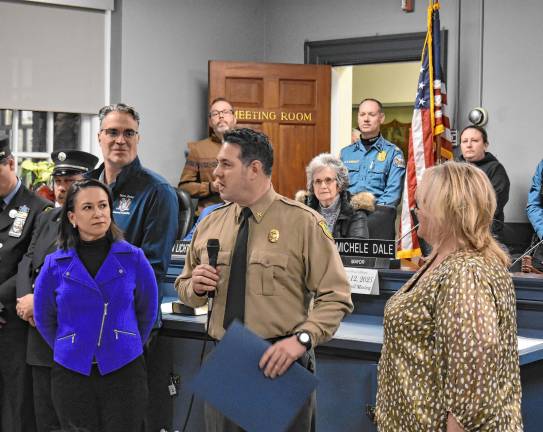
304, 338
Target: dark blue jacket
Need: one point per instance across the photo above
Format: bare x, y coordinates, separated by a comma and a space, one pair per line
107, 318
146, 208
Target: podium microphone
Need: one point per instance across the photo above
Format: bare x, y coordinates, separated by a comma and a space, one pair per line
213, 247
527, 252
406, 234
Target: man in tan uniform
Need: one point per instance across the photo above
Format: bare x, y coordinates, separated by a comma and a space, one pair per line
197, 176
290, 259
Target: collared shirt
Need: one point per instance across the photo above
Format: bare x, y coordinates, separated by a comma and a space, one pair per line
291, 260
7, 199
197, 175
379, 170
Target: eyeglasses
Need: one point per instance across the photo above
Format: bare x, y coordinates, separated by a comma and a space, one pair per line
224, 113
114, 133
327, 181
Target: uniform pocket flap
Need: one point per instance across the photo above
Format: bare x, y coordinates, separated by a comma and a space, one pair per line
269, 259
352, 166
223, 258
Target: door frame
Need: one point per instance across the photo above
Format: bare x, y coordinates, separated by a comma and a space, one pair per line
371, 49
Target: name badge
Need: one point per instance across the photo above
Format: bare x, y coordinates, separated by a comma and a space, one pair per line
16, 229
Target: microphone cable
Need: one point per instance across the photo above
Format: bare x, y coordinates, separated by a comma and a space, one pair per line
213, 249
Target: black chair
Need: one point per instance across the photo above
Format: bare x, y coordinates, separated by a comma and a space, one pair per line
381, 223
186, 213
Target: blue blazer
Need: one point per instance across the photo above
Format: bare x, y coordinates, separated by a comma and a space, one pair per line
107, 318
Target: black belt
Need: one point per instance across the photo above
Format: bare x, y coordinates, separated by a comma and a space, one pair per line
270, 340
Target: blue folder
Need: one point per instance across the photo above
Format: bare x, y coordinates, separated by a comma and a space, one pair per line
231, 381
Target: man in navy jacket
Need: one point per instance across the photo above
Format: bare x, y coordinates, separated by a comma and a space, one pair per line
145, 207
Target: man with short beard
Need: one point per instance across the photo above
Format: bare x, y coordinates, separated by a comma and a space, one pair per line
197, 176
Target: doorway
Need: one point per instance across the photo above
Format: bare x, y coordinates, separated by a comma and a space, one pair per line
393, 84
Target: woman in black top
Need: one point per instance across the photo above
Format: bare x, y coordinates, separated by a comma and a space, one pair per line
473, 144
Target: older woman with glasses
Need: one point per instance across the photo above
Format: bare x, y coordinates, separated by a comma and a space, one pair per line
327, 182
449, 360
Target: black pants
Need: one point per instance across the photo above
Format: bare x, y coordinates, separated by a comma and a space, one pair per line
17, 410
46, 416
114, 402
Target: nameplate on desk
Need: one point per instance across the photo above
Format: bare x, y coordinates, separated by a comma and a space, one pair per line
179, 249
363, 280
366, 248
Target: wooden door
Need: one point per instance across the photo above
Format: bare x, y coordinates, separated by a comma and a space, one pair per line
290, 103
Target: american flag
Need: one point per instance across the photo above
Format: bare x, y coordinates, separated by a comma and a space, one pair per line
430, 135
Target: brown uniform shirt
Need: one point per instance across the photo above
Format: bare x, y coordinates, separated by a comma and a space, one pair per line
290, 261
197, 174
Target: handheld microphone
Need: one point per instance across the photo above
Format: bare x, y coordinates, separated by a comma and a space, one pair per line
213, 247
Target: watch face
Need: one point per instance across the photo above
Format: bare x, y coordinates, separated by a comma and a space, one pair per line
304, 338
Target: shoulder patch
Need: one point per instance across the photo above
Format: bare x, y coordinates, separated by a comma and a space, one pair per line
325, 230
398, 161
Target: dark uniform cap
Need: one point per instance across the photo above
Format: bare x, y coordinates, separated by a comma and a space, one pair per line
69, 162
5, 151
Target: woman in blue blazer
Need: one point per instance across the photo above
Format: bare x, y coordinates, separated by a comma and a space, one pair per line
95, 303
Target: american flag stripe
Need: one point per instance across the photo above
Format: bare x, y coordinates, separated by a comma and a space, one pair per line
430, 123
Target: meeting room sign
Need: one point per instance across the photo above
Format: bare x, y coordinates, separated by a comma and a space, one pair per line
275, 115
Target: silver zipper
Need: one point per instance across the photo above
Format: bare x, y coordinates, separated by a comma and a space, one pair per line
67, 337
123, 332
102, 325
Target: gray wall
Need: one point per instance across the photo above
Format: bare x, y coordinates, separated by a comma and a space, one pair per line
165, 47
512, 92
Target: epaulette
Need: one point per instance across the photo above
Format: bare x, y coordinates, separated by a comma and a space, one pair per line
300, 205
223, 206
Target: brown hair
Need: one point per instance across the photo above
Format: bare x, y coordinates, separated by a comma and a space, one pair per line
69, 236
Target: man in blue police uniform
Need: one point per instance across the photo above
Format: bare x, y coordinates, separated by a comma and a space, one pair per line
70, 165
534, 210
146, 208
19, 210
375, 165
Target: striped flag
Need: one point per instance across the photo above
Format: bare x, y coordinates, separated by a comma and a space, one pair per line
430, 135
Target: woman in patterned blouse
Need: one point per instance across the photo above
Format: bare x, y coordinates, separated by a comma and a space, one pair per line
449, 360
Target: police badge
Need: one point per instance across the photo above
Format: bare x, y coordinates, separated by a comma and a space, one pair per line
19, 221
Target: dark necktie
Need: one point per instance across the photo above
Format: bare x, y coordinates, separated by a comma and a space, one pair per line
2, 205
235, 298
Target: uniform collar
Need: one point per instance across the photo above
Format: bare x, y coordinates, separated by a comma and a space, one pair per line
378, 144
7, 199
259, 208
126, 173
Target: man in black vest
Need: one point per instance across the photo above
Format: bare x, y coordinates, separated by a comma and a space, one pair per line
70, 165
19, 209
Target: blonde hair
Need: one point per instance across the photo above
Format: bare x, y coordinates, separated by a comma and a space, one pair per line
462, 203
